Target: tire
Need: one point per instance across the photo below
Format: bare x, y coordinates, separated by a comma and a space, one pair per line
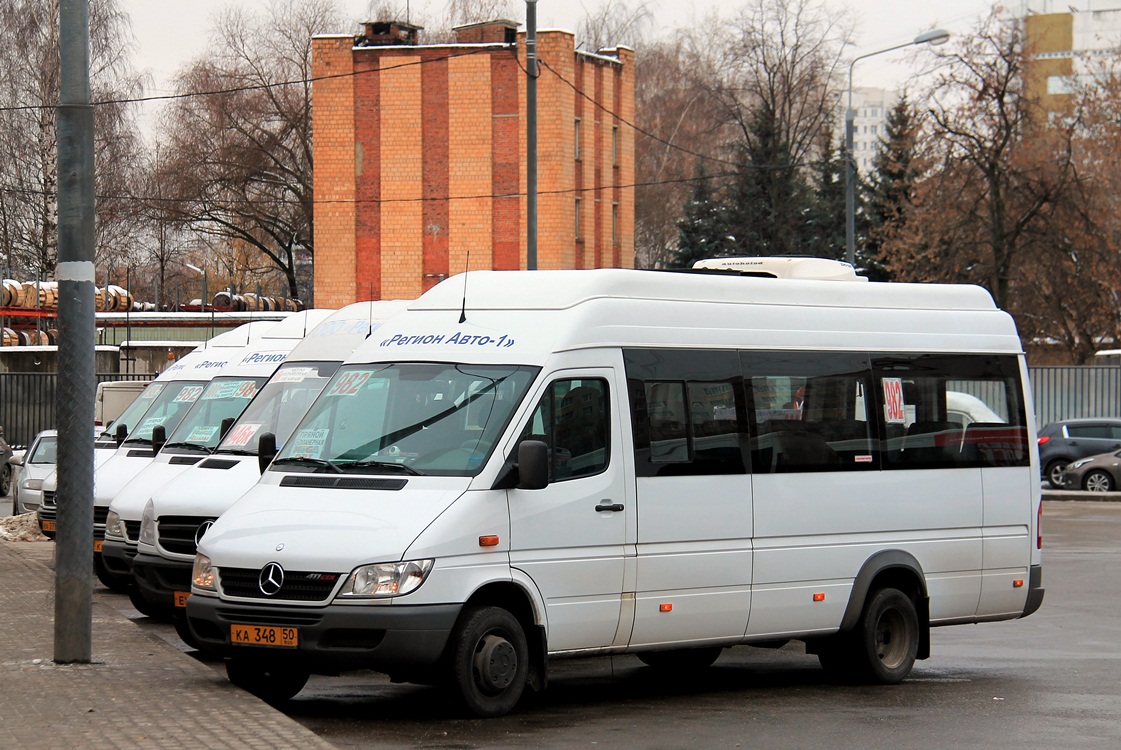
681, 660
271, 683
16, 509
111, 582
887, 638
5, 479
489, 661
1054, 472
183, 630
1098, 481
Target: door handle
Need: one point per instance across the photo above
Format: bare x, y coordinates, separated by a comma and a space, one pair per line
607, 507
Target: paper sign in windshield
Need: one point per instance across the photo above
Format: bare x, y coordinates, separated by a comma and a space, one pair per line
309, 442
202, 434
349, 384
150, 423
232, 389
241, 435
189, 394
295, 375
153, 390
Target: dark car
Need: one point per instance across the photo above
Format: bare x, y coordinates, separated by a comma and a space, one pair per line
5, 467
1060, 443
1094, 474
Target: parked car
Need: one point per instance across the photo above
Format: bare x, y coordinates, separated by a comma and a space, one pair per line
5, 467
1100, 473
1060, 443
30, 468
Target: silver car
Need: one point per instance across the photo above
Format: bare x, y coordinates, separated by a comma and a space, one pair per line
29, 470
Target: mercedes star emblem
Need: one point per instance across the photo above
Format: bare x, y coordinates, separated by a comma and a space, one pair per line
271, 579
200, 532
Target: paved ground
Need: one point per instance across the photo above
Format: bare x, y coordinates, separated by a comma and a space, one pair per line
139, 692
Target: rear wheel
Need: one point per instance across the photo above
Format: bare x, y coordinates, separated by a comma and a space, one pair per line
489, 661
887, 639
1054, 473
271, 683
681, 660
5, 479
1098, 481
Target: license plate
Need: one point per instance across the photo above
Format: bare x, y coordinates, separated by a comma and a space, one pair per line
97, 545
265, 635
181, 598
48, 526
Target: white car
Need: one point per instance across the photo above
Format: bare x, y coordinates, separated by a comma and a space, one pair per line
30, 469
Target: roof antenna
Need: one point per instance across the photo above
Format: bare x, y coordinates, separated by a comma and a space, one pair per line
463, 310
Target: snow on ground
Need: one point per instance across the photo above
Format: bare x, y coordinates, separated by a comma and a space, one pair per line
23, 528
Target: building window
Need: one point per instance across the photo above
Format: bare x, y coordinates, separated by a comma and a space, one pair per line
614, 223
615, 144
576, 130
576, 225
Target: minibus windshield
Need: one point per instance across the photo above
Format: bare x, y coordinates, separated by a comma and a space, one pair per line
279, 406
132, 414
224, 398
170, 405
439, 419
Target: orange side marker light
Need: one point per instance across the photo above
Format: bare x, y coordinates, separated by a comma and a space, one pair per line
490, 540
819, 597
666, 607
1018, 583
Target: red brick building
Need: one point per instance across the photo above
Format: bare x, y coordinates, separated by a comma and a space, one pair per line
420, 158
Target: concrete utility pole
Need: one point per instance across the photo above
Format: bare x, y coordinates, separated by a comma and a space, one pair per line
531, 134
73, 613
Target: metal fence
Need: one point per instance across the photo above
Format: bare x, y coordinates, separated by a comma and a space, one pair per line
27, 402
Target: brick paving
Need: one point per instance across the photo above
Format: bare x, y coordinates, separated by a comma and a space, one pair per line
139, 692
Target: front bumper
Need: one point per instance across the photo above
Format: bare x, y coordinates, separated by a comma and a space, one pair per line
162, 582
116, 558
394, 639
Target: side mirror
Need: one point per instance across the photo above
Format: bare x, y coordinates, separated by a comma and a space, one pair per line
16, 460
266, 450
533, 465
159, 437
120, 434
227, 423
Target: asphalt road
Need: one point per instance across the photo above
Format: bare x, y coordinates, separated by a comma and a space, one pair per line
1049, 681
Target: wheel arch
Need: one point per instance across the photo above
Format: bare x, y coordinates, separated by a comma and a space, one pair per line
896, 569
518, 602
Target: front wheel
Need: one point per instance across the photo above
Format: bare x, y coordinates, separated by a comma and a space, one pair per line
1098, 481
489, 661
5, 479
887, 638
272, 684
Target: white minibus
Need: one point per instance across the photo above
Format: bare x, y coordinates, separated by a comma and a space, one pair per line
180, 511
162, 402
194, 436
523, 466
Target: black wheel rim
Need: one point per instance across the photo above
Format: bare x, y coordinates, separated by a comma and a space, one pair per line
494, 663
893, 639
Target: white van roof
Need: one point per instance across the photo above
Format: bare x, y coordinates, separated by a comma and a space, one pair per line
525, 316
262, 357
344, 331
783, 267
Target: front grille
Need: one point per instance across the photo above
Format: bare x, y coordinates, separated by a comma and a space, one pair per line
100, 513
288, 617
299, 586
48, 499
177, 533
132, 530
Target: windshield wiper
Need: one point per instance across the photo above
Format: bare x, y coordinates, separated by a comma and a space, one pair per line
236, 451
190, 447
308, 461
142, 441
379, 465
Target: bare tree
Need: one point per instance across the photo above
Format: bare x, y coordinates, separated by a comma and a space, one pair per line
616, 22
29, 92
239, 159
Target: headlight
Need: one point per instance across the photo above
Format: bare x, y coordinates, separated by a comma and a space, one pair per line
33, 484
383, 580
148, 525
113, 526
1079, 463
203, 574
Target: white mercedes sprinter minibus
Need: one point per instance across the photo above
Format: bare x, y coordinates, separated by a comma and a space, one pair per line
181, 511
196, 435
530, 465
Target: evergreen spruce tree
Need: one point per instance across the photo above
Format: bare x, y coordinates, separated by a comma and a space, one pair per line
890, 187
825, 216
703, 230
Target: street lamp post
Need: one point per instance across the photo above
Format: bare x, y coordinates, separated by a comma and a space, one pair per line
937, 36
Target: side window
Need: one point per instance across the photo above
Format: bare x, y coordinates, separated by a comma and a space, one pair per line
572, 418
809, 412
951, 410
688, 412
1096, 431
